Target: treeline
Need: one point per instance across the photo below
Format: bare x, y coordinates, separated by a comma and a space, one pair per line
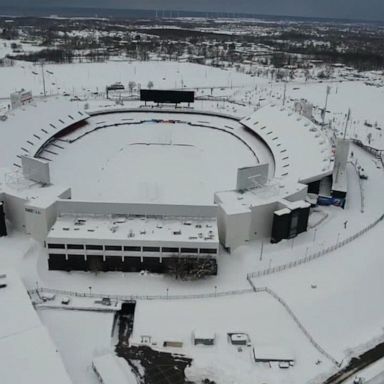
49, 55
364, 58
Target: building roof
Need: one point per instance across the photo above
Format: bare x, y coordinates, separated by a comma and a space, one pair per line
302, 152
30, 126
272, 353
13, 183
239, 337
113, 370
27, 353
204, 334
235, 202
135, 229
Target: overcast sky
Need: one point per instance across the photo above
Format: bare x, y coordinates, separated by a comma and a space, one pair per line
355, 9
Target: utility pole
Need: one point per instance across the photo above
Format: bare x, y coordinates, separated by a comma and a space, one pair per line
262, 249
43, 76
285, 93
347, 122
326, 105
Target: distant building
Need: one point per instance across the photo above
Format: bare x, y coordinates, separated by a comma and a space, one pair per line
304, 108
20, 98
203, 338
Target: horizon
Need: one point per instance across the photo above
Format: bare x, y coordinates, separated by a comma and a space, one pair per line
41, 10
70, 11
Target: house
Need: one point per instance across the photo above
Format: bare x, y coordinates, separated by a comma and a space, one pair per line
200, 337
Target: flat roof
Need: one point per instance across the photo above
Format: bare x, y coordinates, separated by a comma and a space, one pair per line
113, 370
272, 353
27, 353
239, 337
235, 202
284, 211
135, 229
15, 184
204, 334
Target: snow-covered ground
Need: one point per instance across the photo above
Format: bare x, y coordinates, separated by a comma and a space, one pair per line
259, 316
84, 78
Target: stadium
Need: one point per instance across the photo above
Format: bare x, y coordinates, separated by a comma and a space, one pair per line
156, 191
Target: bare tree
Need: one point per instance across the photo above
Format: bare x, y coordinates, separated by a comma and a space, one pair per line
131, 86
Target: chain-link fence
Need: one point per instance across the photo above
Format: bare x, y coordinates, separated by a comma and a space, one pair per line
41, 291
315, 255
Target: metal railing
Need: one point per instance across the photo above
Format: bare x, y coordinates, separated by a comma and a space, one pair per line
362, 196
290, 312
316, 255
41, 290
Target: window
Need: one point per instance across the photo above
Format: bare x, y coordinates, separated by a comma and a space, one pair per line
56, 255
56, 246
94, 247
113, 248
132, 249
75, 246
208, 250
151, 249
170, 250
188, 250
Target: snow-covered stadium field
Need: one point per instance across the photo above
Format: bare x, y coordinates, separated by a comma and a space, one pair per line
154, 158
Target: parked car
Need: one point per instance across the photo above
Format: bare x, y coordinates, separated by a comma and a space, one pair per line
106, 301
65, 300
48, 297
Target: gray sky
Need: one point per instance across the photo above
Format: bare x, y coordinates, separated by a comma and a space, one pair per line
356, 9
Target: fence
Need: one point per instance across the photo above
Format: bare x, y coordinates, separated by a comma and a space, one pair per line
42, 290
295, 319
362, 197
315, 255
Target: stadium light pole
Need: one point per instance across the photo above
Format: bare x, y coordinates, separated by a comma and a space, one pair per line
314, 235
261, 249
326, 105
215, 290
41, 62
346, 123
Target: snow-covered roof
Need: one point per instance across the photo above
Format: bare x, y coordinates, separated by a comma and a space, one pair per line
272, 353
30, 126
239, 337
204, 334
113, 370
14, 184
135, 229
302, 153
235, 202
300, 149
27, 353
284, 211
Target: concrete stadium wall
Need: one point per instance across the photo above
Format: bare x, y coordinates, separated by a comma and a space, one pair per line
107, 208
14, 208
